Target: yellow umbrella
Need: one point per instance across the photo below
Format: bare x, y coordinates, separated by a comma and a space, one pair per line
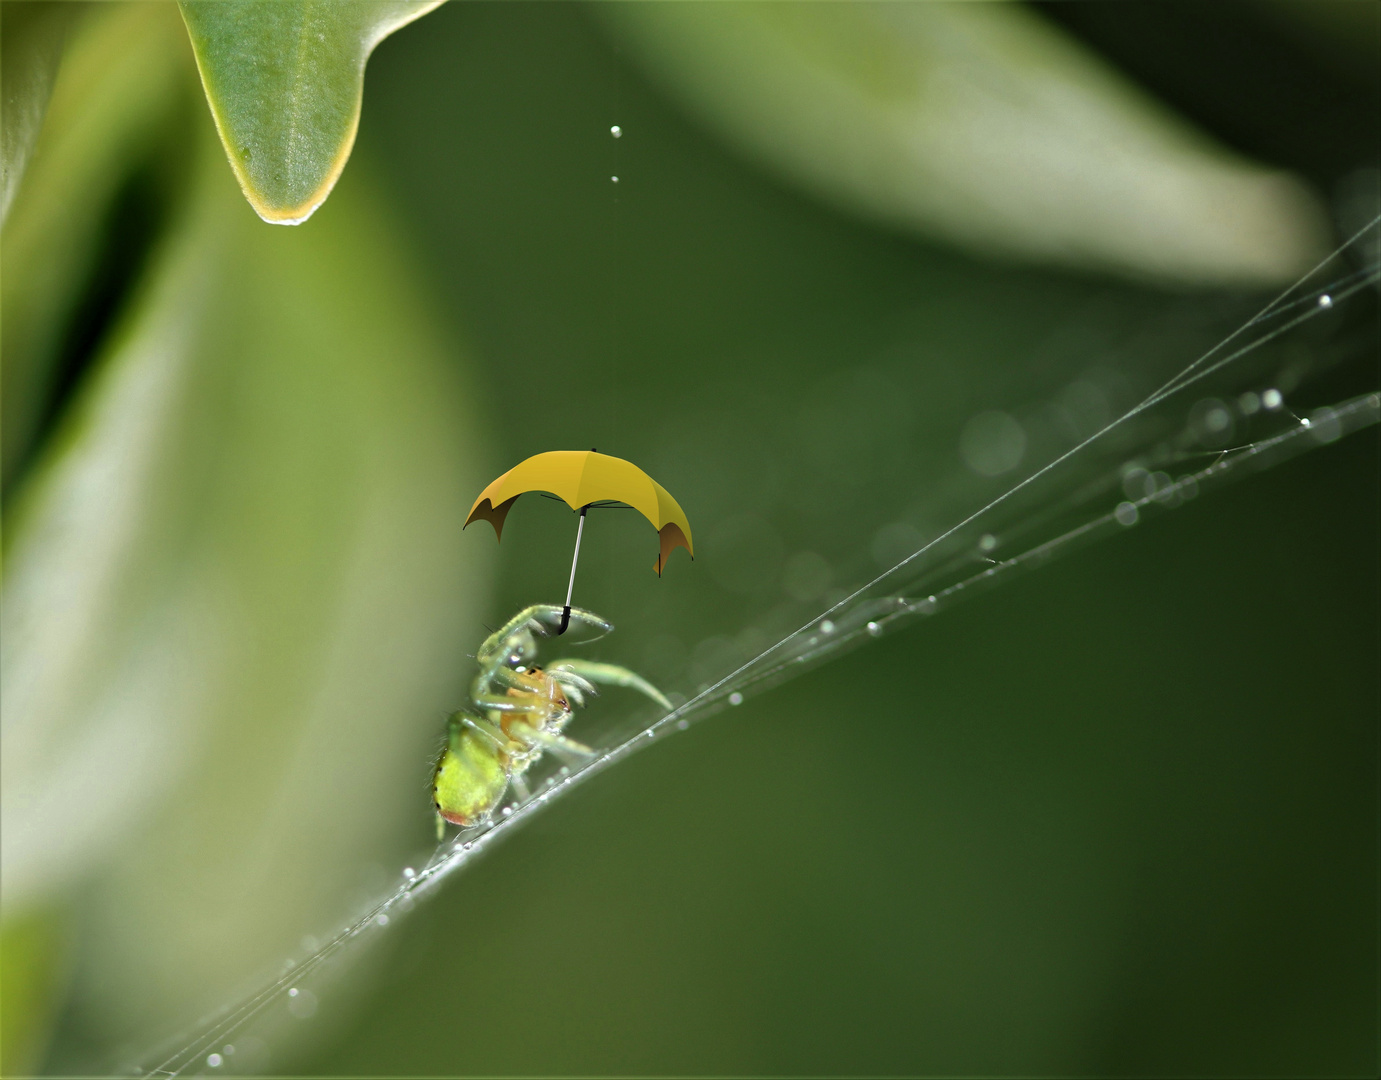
584, 478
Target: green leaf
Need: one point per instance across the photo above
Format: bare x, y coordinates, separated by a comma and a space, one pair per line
980, 124
285, 79
30, 47
234, 604
121, 87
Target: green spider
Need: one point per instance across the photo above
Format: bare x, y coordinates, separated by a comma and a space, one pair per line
519, 711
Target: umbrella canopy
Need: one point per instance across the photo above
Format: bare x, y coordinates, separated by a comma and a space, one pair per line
582, 478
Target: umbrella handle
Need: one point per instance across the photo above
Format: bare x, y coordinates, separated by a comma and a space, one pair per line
570, 589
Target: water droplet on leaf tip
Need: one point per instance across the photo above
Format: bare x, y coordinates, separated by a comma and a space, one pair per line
735, 698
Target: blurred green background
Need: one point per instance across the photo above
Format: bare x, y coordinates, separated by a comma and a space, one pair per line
1118, 817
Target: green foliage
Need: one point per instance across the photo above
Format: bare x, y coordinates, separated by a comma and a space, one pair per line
30, 45
981, 124
285, 79
232, 603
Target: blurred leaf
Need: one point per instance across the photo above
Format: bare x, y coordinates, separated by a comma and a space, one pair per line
284, 79
980, 124
32, 945
30, 47
232, 606
117, 95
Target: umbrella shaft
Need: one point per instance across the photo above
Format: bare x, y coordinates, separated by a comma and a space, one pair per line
580, 529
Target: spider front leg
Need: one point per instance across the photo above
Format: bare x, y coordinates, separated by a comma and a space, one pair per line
608, 675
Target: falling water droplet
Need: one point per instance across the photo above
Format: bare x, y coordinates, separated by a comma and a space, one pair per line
735, 698
616, 131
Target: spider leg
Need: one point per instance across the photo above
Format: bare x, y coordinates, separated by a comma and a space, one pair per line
515, 636
511, 704
609, 675
558, 744
488, 730
575, 685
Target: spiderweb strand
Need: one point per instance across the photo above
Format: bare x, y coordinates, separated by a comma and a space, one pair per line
863, 615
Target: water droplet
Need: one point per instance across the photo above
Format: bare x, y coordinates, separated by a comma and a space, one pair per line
987, 542
1249, 403
409, 872
466, 846
214, 1060
650, 733
615, 179
565, 770
1272, 399
875, 629
1126, 514
735, 698
827, 627
616, 131
302, 1004
681, 725
506, 811
1325, 301
228, 1049
381, 919
1304, 422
